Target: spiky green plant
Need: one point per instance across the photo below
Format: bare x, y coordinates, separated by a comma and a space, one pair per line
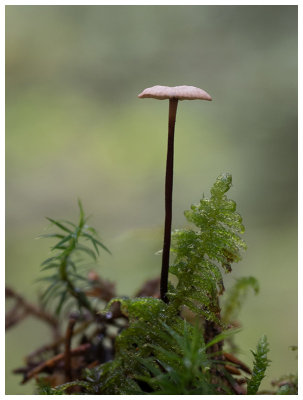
186, 367
65, 280
261, 363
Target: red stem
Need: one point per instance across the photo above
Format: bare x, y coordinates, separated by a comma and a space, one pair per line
173, 104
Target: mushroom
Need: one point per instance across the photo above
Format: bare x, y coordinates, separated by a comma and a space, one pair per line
174, 94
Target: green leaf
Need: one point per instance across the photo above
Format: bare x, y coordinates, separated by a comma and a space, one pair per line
64, 240
92, 230
61, 226
51, 235
68, 222
48, 260
47, 279
50, 291
82, 278
72, 264
222, 336
87, 250
63, 297
82, 216
50, 266
96, 242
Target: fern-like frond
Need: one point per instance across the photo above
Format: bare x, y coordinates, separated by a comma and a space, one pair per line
146, 318
201, 252
261, 362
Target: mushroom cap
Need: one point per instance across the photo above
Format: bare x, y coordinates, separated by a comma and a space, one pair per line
176, 92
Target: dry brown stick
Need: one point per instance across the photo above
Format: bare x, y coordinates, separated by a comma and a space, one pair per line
13, 317
54, 360
31, 309
232, 370
67, 357
234, 360
57, 343
81, 328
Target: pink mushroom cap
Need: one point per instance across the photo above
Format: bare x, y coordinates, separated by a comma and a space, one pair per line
176, 92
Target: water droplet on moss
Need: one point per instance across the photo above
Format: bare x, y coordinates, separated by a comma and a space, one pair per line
109, 315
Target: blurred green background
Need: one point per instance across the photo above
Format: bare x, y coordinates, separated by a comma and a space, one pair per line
75, 128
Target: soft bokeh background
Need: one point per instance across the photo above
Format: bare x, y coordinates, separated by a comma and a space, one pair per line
75, 128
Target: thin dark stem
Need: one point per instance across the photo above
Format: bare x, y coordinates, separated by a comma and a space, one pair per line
173, 104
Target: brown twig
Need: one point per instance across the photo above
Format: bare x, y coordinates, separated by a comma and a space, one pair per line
14, 316
239, 363
58, 342
51, 363
29, 309
232, 370
67, 356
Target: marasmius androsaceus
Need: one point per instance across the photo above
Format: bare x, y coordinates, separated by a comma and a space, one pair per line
174, 94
